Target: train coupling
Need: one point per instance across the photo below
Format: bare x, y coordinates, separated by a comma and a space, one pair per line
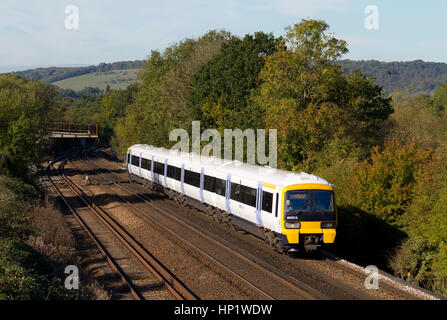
312, 242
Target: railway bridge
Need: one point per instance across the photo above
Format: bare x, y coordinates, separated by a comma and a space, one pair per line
65, 135
70, 130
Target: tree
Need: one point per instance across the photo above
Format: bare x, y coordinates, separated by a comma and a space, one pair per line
229, 77
440, 98
161, 102
24, 109
305, 96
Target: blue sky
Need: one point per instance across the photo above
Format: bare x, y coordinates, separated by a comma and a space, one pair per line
33, 33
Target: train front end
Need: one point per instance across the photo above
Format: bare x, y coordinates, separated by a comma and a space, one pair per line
308, 216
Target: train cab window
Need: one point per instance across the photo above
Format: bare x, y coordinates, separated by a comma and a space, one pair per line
267, 201
322, 201
220, 186
276, 205
128, 158
297, 201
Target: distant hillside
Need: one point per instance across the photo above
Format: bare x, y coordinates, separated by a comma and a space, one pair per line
116, 79
54, 74
419, 75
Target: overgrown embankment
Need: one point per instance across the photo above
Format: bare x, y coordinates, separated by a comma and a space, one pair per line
35, 247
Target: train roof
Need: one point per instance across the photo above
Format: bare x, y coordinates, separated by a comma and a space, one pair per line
265, 174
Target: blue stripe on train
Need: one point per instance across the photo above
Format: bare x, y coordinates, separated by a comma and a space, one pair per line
228, 193
166, 173
182, 178
202, 178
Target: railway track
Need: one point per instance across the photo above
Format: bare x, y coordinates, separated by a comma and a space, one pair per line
389, 287
292, 285
111, 182
304, 290
107, 256
150, 210
175, 287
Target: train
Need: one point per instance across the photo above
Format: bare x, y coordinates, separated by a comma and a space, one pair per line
291, 211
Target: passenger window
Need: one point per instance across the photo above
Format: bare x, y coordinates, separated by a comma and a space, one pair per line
220, 187
267, 201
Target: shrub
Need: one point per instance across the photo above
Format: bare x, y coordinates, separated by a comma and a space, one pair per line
384, 185
423, 257
371, 197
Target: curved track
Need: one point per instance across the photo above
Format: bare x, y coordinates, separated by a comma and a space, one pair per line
304, 291
177, 289
229, 259
293, 285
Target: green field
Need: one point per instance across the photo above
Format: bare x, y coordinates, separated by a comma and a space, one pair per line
116, 79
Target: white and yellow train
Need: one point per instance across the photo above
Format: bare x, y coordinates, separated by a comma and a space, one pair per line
289, 210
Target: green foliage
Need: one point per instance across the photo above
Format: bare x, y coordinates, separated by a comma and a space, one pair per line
228, 78
310, 101
24, 108
416, 120
372, 197
161, 102
440, 98
15, 281
422, 258
385, 184
24, 273
416, 76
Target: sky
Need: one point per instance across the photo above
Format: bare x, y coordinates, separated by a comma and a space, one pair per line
42, 33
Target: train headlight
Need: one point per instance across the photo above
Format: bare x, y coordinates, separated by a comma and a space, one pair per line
292, 225
328, 225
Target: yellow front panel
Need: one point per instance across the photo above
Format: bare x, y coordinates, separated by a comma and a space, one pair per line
308, 227
329, 235
293, 235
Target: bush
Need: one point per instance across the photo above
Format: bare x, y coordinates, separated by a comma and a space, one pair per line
385, 183
35, 247
423, 257
371, 197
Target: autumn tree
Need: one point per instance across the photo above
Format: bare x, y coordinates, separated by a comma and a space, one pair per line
305, 96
